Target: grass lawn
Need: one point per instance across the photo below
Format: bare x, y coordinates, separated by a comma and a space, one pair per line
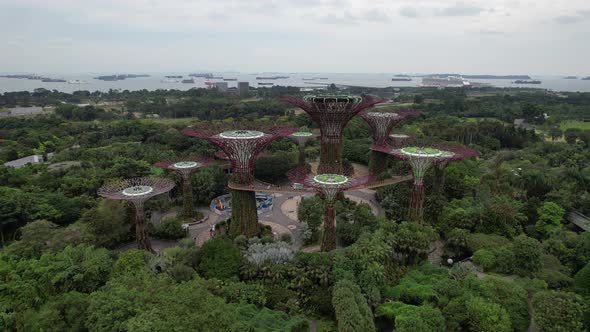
574, 124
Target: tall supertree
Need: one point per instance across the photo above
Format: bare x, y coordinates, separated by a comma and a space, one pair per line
381, 124
331, 114
302, 138
329, 186
241, 144
137, 191
398, 140
185, 166
421, 156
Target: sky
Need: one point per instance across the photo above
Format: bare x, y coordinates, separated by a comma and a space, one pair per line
537, 37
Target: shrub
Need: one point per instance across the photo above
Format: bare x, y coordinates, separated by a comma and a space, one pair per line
220, 258
555, 279
286, 237
305, 232
582, 279
412, 318
276, 253
485, 258
170, 229
478, 241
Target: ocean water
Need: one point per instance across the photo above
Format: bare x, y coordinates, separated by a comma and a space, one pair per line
154, 82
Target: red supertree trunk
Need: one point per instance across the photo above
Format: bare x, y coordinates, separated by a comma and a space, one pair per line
329, 235
187, 197
416, 212
141, 235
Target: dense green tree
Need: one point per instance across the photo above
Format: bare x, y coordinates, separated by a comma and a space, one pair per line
351, 308
410, 318
108, 223
65, 312
550, 215
527, 255
558, 311
219, 258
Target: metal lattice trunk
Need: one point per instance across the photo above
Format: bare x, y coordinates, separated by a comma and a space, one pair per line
137, 191
331, 114
329, 186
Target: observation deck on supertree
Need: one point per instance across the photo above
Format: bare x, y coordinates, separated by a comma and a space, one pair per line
185, 166
242, 143
328, 186
331, 114
137, 191
302, 138
381, 124
421, 156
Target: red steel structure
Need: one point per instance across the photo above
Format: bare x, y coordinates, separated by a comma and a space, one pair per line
185, 166
137, 191
381, 124
242, 143
421, 156
329, 186
331, 114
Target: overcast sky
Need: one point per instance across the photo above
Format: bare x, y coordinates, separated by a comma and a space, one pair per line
390, 36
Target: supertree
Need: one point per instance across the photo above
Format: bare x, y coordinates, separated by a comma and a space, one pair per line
242, 144
302, 138
421, 156
329, 186
397, 140
137, 191
381, 124
185, 166
331, 114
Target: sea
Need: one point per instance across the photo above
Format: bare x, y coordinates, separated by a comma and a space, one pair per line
304, 80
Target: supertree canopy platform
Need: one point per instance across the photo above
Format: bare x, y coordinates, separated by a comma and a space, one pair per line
185, 166
329, 186
302, 138
421, 156
331, 114
137, 191
381, 124
242, 143
398, 140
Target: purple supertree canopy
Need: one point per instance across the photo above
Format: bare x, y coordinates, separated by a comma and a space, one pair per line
184, 165
382, 123
328, 184
241, 142
398, 139
136, 190
332, 113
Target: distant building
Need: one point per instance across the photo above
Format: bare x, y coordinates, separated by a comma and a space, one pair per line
522, 124
244, 89
221, 86
34, 159
22, 111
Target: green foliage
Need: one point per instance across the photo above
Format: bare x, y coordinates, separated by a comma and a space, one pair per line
527, 255
456, 245
273, 169
550, 215
351, 308
486, 317
65, 312
170, 229
108, 223
485, 258
219, 258
582, 280
477, 241
410, 318
558, 311
131, 261
418, 286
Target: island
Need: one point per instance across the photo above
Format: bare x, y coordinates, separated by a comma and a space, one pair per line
570, 78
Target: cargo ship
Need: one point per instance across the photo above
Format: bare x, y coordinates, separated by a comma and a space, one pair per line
271, 77
570, 78
204, 75
173, 76
586, 78
401, 79
230, 79
189, 81
527, 82
262, 83
53, 80
77, 82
